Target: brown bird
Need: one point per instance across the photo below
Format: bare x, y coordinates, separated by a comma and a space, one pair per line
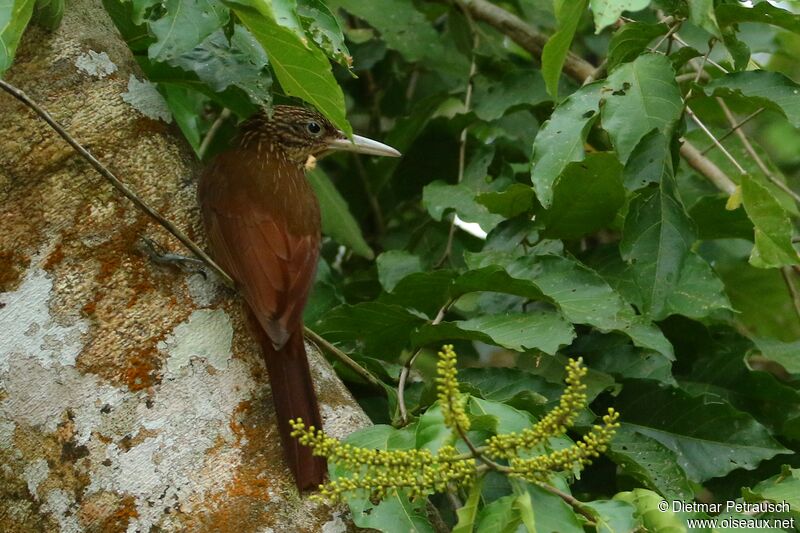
262, 220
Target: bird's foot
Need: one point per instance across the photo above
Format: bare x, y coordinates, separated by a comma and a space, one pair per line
159, 255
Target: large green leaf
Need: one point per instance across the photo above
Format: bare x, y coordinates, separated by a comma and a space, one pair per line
468, 512
701, 13
568, 14
606, 12
764, 12
337, 221
579, 292
656, 244
492, 97
14, 17
786, 354
710, 438
439, 197
240, 62
543, 330
631, 40
185, 24
561, 139
650, 463
639, 97
613, 516
323, 27
773, 229
499, 516
782, 487
383, 329
771, 90
586, 197
394, 265
403, 28
301, 67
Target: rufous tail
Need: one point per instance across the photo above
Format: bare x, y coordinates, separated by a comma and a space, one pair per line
294, 397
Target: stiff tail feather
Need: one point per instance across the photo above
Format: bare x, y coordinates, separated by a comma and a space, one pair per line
294, 397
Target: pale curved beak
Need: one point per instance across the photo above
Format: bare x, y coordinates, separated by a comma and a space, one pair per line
362, 145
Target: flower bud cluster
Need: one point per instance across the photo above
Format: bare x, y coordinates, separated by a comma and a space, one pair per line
377, 474
579, 455
450, 398
556, 422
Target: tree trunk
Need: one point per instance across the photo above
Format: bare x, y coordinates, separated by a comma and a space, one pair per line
132, 396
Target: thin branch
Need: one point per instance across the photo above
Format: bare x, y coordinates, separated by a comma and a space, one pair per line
406, 370
212, 132
788, 273
713, 138
733, 129
754, 155
166, 224
523, 34
708, 168
119, 185
345, 359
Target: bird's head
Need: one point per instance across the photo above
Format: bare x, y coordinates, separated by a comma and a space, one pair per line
297, 133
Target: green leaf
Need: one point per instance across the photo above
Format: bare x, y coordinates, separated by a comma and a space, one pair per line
568, 14
337, 221
503, 384
395, 514
424, 291
586, 197
324, 296
506, 419
561, 139
493, 97
656, 243
185, 24
552, 513
648, 162
383, 329
395, 265
579, 292
186, 107
439, 197
631, 40
14, 17
499, 516
606, 12
710, 438
647, 503
302, 69
773, 228
48, 13
513, 201
764, 12
701, 13
468, 512
650, 463
432, 433
406, 30
771, 90
786, 354
613, 516
783, 487
543, 330
323, 27
240, 62
639, 97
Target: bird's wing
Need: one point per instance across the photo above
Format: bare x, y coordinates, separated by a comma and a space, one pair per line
272, 260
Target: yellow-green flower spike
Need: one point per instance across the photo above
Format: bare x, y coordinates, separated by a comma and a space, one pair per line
377, 474
450, 398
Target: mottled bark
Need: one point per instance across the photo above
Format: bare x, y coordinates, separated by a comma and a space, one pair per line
131, 395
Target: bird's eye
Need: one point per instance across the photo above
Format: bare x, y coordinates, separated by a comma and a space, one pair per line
314, 128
